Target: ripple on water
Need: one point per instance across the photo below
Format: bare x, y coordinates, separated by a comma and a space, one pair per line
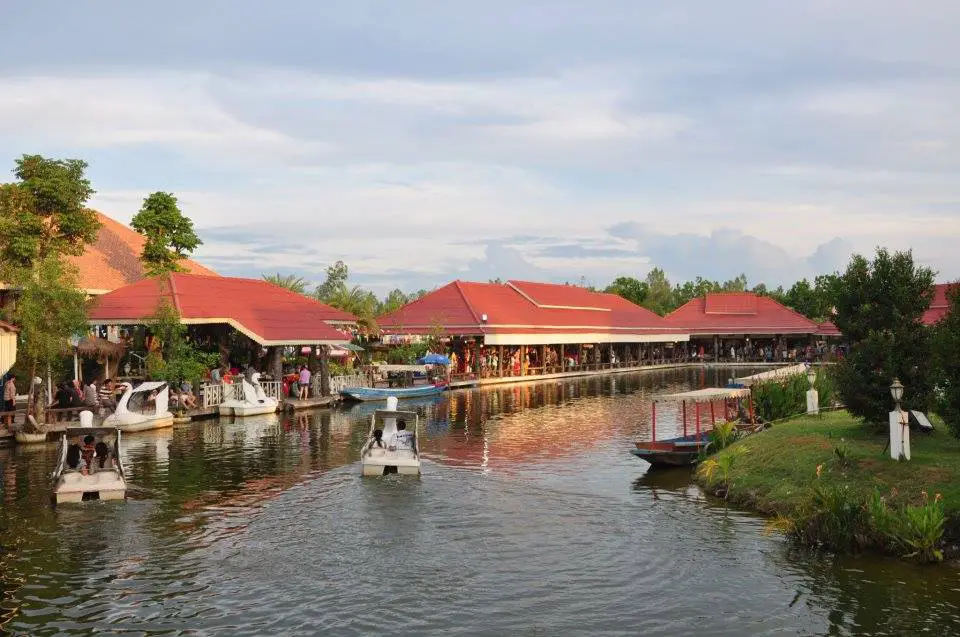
531, 518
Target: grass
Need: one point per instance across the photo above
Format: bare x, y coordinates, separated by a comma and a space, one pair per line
782, 464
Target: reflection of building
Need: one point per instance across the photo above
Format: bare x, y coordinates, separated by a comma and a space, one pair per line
756, 327
521, 330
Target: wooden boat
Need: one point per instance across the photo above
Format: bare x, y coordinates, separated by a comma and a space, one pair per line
99, 483
142, 408
382, 393
687, 448
379, 456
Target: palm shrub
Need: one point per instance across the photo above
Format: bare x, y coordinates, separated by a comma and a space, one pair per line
782, 398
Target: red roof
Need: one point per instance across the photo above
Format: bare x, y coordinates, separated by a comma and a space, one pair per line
521, 307
940, 304
739, 313
827, 328
268, 314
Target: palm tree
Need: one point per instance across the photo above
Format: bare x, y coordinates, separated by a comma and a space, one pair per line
359, 302
288, 281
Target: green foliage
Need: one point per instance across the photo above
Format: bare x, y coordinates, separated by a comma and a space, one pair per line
813, 301
717, 470
178, 359
407, 354
659, 296
288, 282
946, 358
778, 399
337, 275
42, 215
841, 453
170, 235
722, 435
631, 289
394, 301
361, 303
879, 307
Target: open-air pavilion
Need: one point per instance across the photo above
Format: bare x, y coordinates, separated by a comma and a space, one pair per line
219, 308
518, 330
756, 327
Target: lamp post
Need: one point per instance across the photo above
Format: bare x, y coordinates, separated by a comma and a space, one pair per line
813, 398
899, 432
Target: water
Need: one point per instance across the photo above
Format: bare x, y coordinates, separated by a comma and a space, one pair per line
531, 518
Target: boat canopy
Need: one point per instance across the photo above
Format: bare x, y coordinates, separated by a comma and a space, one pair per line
402, 368
149, 386
780, 373
94, 431
705, 395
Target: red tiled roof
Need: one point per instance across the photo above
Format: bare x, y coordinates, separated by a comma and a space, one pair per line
940, 304
520, 307
267, 313
113, 261
728, 316
827, 328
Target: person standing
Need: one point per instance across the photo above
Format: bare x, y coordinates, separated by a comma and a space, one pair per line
9, 398
304, 382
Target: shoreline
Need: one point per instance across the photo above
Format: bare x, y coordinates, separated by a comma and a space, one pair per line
779, 471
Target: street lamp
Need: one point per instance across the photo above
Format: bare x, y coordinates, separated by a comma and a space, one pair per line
811, 376
896, 390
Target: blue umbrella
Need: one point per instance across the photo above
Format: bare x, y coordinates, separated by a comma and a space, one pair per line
434, 359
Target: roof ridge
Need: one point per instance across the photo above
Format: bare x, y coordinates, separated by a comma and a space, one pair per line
788, 308
173, 294
466, 301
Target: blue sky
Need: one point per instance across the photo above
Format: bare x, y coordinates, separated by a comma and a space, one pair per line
424, 141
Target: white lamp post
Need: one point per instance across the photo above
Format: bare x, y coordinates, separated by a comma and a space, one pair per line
813, 398
899, 431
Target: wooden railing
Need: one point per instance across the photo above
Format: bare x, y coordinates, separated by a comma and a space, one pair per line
339, 383
212, 394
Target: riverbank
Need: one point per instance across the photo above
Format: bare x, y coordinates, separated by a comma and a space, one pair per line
777, 471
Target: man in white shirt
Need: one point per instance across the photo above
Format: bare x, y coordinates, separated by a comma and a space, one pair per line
403, 439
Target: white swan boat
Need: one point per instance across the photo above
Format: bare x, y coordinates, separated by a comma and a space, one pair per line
104, 482
387, 449
142, 408
247, 399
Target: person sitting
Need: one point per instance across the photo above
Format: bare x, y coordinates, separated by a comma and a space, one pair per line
107, 396
103, 460
377, 439
75, 459
90, 398
88, 450
187, 398
403, 439
63, 399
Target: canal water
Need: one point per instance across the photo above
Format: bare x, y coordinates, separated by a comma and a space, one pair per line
531, 518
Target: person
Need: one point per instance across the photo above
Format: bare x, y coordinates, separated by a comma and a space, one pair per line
403, 439
107, 396
62, 399
103, 459
75, 459
378, 438
249, 372
90, 398
304, 382
88, 450
187, 399
9, 398
76, 394
215, 376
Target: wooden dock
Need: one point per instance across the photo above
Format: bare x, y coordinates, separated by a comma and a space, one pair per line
294, 404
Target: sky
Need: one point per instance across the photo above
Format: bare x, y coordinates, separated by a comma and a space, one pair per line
550, 140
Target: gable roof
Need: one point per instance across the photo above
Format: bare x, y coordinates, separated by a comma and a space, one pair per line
739, 313
113, 260
940, 304
266, 313
519, 308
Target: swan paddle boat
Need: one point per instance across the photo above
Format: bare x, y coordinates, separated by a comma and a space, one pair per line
142, 408
248, 399
101, 482
393, 443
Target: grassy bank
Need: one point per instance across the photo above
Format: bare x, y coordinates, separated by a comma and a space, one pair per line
776, 472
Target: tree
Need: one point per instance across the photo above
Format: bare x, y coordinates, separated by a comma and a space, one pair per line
879, 306
629, 288
737, 284
288, 282
170, 235
43, 213
359, 302
659, 296
946, 363
177, 359
337, 275
690, 290
394, 301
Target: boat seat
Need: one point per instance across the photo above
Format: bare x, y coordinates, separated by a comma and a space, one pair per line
376, 452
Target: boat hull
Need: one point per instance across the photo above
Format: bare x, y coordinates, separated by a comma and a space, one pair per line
144, 425
23, 438
246, 409
102, 485
674, 452
381, 393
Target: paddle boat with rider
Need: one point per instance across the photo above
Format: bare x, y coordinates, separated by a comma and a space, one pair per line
393, 442
89, 466
142, 408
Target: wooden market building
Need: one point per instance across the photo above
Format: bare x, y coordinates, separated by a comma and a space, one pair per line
520, 330
745, 327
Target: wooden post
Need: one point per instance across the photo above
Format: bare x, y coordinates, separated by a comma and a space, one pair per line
543, 359
683, 406
563, 361
324, 371
276, 362
697, 405
750, 404
523, 360
713, 416
653, 427
499, 361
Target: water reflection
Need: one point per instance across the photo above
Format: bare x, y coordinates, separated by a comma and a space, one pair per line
531, 518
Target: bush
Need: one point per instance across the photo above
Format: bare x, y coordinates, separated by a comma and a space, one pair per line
777, 399
946, 340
